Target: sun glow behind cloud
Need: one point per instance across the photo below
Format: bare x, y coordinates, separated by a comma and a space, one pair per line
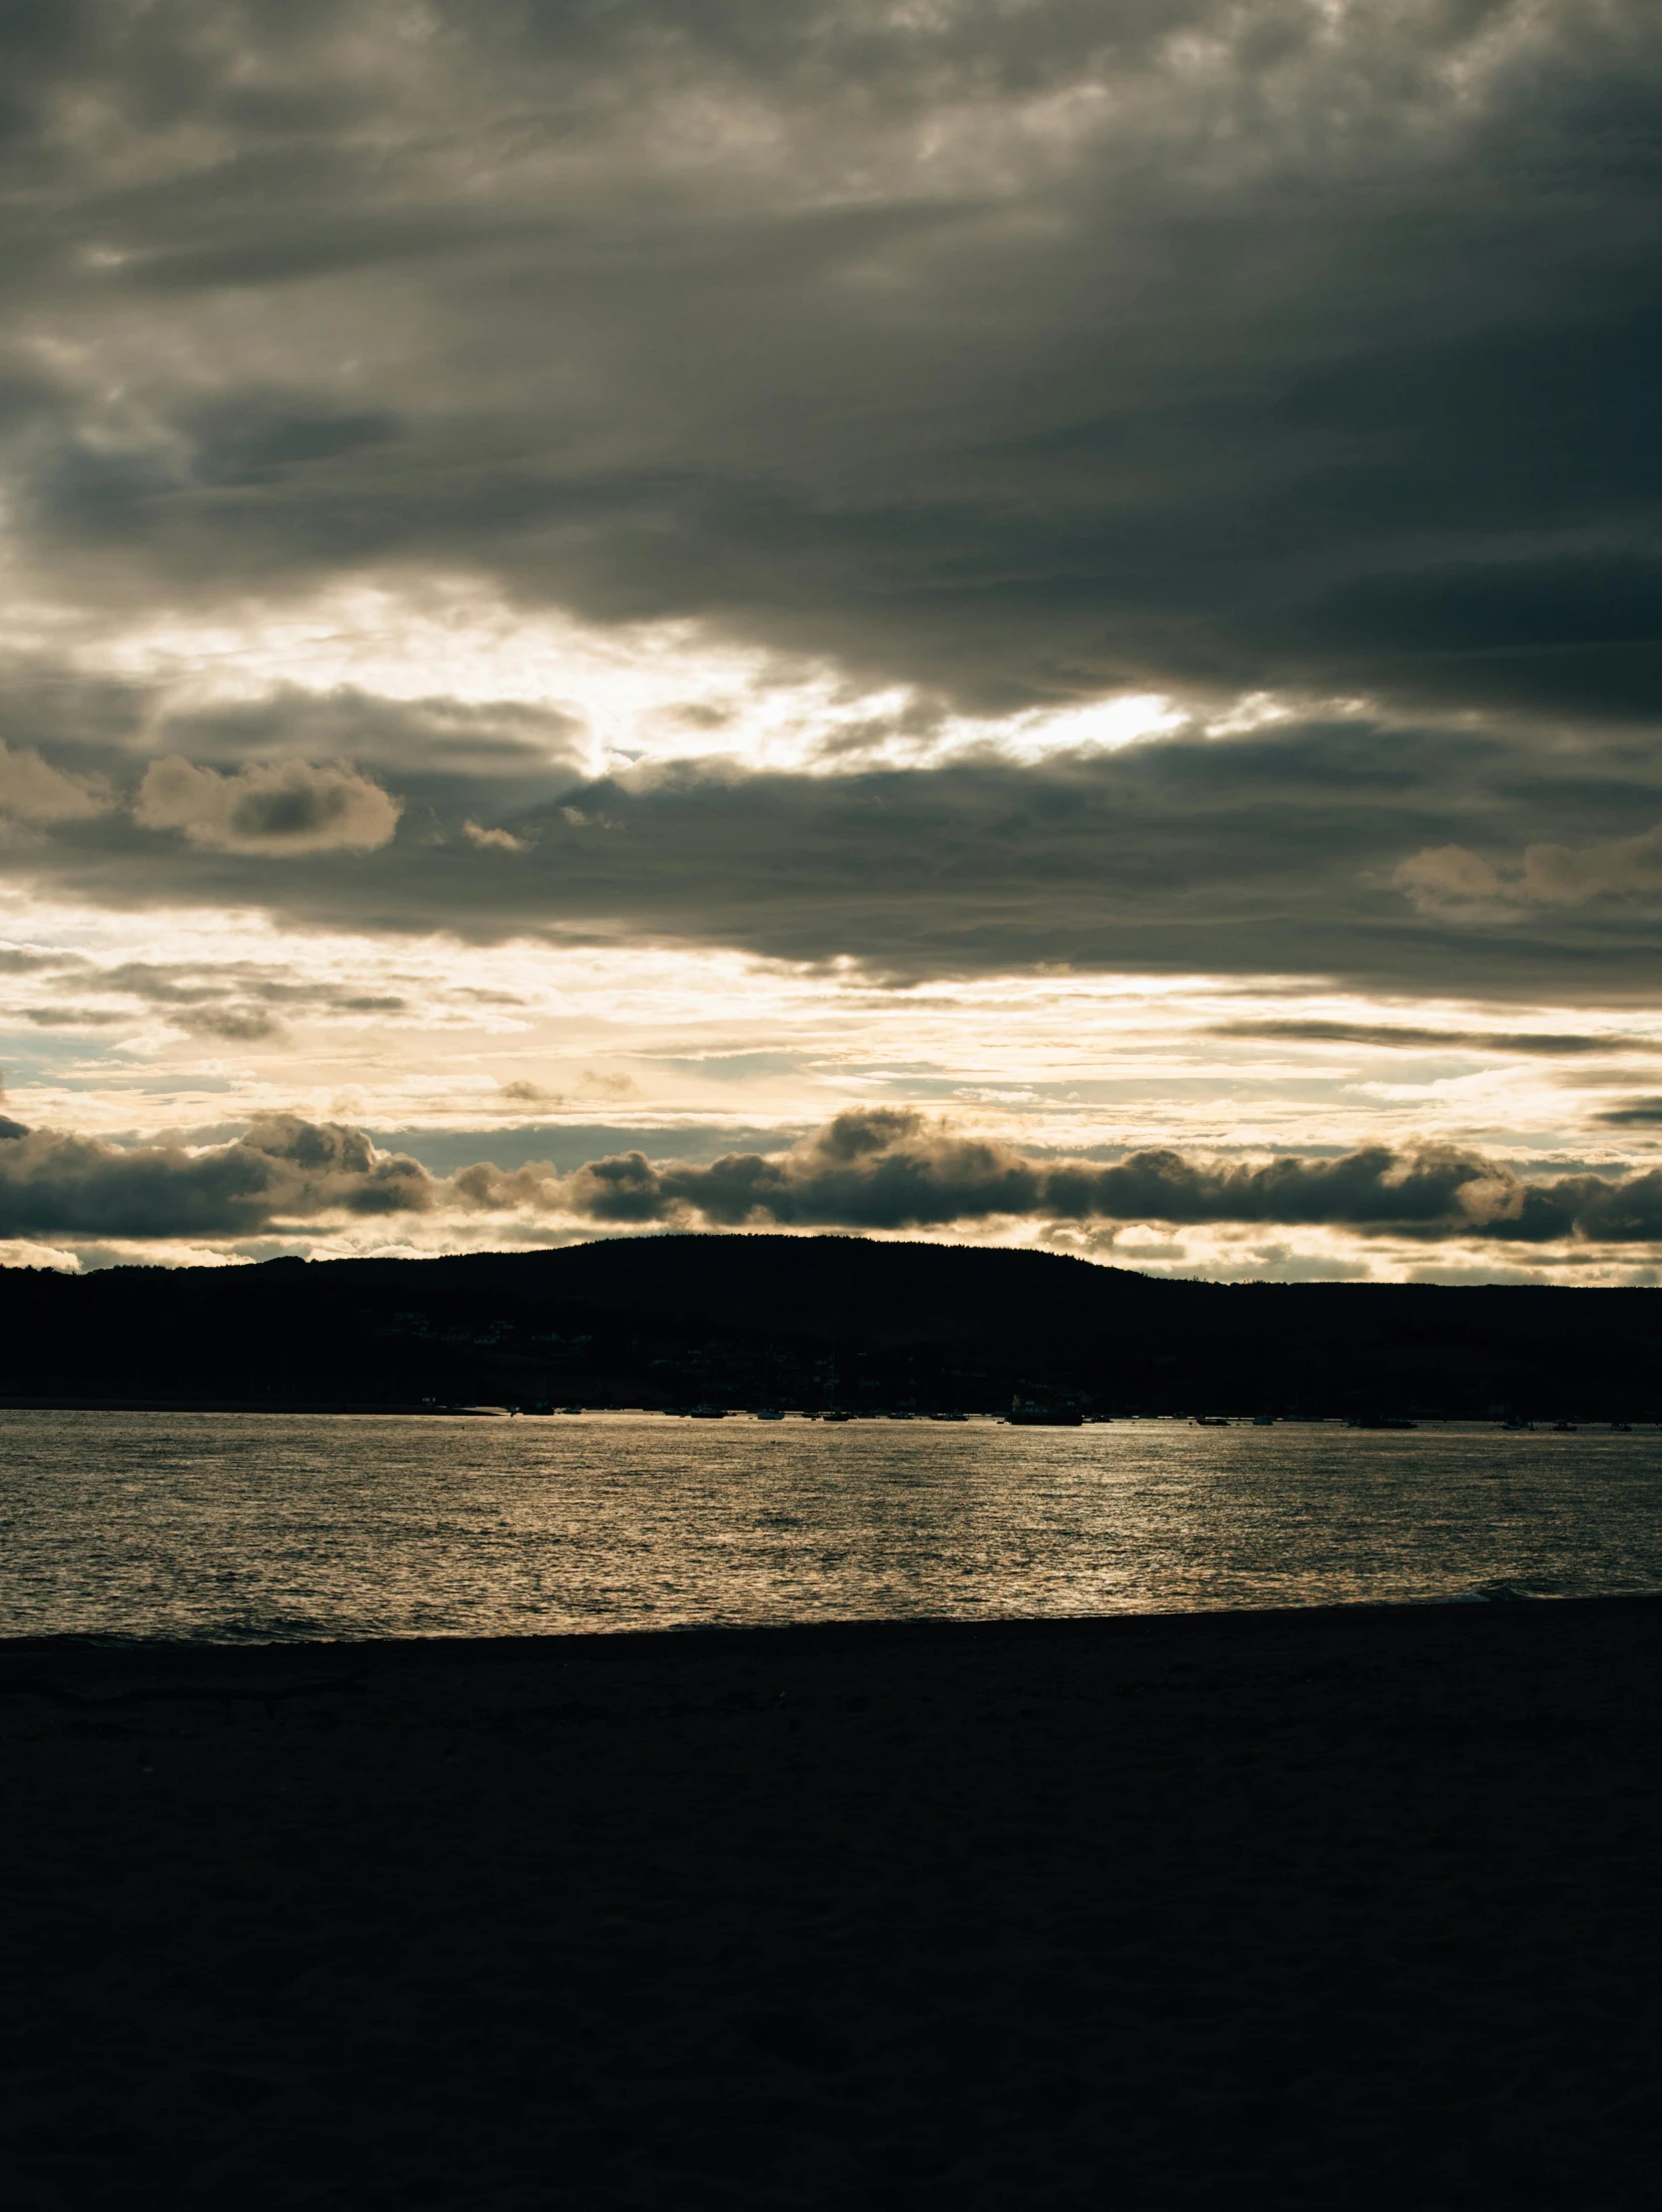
630, 693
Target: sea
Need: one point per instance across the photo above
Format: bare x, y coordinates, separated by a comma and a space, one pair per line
231, 1528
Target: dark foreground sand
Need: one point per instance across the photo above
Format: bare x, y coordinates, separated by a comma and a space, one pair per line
1324, 1909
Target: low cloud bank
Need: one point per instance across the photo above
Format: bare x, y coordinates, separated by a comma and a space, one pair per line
280, 1169
870, 1168
889, 1168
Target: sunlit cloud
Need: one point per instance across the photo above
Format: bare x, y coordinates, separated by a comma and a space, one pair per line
633, 693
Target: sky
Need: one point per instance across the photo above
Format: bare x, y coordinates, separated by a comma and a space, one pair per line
1029, 621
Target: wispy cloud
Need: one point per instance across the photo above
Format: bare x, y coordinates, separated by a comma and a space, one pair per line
1402, 1036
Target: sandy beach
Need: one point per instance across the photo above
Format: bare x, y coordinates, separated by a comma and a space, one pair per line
1327, 1908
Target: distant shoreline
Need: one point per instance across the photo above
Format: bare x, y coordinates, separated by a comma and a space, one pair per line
756, 1320
982, 1417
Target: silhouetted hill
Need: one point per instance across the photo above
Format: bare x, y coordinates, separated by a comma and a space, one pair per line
816, 1286
807, 1321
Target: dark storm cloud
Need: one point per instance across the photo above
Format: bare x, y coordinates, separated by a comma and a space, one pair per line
101, 732
1019, 351
1279, 852
881, 1168
282, 1169
502, 748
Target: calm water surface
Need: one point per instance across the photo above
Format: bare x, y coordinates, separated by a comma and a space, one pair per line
270, 1525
